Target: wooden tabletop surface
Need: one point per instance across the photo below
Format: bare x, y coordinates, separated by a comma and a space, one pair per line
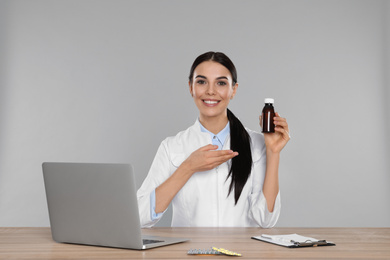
351, 243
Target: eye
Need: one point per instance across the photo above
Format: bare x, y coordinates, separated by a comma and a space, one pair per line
221, 83
200, 81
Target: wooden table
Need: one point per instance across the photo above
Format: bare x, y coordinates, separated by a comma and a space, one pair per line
352, 243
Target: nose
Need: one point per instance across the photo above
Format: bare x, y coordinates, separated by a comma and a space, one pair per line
210, 90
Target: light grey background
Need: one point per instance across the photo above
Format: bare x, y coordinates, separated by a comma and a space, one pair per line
106, 81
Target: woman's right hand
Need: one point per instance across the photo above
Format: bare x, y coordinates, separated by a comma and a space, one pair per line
203, 159
207, 158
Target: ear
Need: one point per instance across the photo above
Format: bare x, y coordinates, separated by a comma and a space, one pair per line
190, 87
234, 90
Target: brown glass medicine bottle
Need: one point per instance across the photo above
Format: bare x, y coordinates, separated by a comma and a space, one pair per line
268, 115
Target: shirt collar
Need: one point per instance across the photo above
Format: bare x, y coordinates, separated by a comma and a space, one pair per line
221, 135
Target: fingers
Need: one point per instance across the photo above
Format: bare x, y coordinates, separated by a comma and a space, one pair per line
219, 157
207, 158
227, 157
280, 122
208, 147
220, 153
210, 151
281, 126
284, 132
217, 153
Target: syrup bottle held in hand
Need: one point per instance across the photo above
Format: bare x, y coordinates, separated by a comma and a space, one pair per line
268, 114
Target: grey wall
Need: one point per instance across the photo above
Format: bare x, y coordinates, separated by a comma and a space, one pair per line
386, 96
106, 81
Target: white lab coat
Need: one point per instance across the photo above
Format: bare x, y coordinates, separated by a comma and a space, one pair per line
203, 201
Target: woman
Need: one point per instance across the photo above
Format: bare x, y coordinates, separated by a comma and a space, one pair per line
215, 173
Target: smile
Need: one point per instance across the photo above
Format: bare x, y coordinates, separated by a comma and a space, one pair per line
211, 102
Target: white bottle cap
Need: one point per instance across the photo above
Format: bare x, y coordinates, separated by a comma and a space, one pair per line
269, 100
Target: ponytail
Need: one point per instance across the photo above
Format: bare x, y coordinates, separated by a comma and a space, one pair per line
241, 166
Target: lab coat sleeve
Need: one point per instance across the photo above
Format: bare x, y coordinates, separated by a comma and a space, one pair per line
158, 173
260, 211
258, 202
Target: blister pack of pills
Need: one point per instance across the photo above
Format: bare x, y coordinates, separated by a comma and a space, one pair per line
212, 251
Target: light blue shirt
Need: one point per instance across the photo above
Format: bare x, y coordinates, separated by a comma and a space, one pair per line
217, 139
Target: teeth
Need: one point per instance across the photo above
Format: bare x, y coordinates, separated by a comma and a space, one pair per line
210, 102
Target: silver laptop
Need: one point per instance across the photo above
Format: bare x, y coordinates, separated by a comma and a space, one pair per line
96, 204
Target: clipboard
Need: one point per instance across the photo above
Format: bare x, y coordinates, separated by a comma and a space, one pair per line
293, 240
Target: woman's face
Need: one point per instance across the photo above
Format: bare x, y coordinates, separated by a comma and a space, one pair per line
212, 88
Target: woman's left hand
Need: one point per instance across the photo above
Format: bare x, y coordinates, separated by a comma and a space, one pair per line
275, 142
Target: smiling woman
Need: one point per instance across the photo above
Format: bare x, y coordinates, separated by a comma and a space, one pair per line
212, 89
199, 168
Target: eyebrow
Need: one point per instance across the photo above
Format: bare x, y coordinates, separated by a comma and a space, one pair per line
222, 77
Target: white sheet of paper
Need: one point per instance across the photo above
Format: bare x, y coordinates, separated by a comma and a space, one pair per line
285, 240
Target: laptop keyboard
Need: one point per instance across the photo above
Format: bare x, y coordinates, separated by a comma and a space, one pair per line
150, 241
